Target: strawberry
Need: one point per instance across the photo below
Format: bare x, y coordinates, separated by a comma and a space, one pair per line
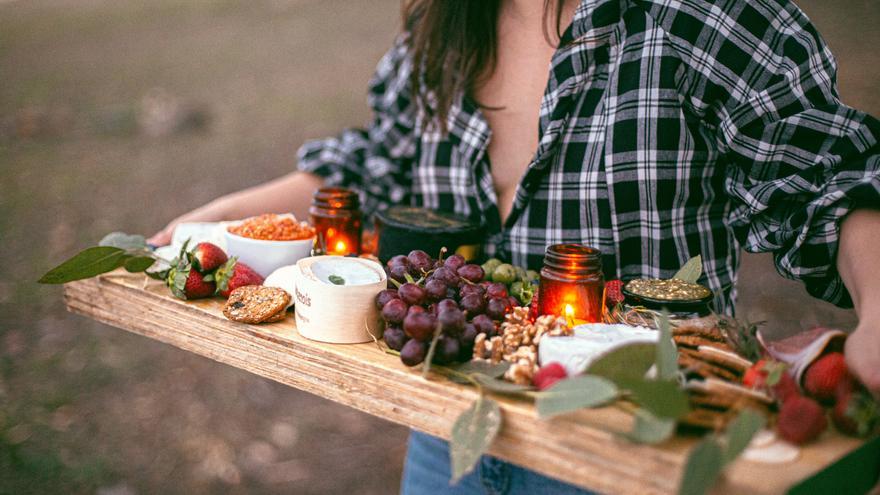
785, 388
756, 376
234, 274
801, 420
824, 375
613, 293
855, 413
207, 257
187, 283
548, 374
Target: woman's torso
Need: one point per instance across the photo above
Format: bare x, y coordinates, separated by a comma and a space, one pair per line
623, 163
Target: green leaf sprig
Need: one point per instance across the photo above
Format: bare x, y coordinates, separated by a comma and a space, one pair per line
708, 458
114, 251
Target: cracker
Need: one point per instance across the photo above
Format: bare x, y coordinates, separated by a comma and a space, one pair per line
696, 341
721, 357
710, 333
713, 385
686, 359
279, 316
255, 303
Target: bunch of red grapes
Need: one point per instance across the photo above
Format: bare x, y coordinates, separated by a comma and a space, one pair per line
449, 296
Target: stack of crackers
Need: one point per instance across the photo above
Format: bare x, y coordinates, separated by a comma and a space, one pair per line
257, 304
715, 374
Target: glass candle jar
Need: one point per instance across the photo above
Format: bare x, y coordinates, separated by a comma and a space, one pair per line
336, 215
572, 284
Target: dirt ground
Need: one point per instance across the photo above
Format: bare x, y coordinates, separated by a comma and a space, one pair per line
118, 115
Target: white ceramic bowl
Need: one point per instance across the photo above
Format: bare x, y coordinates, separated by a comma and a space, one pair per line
267, 256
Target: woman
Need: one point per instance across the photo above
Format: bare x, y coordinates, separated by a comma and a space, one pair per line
666, 129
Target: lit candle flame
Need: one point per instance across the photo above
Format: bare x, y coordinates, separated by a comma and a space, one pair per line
569, 315
340, 247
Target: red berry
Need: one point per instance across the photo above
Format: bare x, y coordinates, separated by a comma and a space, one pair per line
756, 376
549, 374
801, 420
234, 274
613, 293
824, 375
785, 389
207, 257
196, 286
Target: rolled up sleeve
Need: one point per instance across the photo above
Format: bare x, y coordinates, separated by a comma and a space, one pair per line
797, 160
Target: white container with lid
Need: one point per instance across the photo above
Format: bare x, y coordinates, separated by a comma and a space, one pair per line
335, 298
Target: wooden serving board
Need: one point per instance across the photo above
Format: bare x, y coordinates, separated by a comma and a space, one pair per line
580, 448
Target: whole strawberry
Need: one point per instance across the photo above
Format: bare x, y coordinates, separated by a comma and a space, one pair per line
801, 420
824, 375
207, 257
613, 293
855, 413
548, 374
234, 274
785, 388
187, 283
756, 376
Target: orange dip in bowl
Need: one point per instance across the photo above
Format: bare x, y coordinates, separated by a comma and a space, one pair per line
272, 227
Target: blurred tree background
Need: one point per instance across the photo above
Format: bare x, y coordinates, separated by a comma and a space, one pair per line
119, 115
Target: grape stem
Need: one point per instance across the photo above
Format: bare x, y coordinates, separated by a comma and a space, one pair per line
426, 367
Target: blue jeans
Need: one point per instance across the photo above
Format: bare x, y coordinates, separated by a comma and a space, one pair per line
427, 472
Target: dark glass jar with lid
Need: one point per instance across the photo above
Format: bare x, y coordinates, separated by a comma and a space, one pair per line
336, 216
572, 283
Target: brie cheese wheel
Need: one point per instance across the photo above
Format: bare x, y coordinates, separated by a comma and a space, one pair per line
283, 278
590, 342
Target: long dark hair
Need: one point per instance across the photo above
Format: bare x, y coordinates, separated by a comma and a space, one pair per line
454, 47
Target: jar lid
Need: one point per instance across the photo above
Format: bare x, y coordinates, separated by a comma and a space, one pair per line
336, 197
423, 220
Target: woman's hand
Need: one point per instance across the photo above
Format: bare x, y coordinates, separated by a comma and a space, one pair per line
214, 211
863, 354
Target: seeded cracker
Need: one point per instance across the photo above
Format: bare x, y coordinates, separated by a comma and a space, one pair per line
255, 303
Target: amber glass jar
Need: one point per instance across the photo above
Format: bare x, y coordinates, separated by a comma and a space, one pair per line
336, 215
572, 284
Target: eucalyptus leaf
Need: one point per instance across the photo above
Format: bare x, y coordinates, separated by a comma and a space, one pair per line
704, 464
498, 386
137, 264
575, 393
650, 429
124, 241
691, 271
664, 399
629, 361
472, 434
740, 432
667, 353
86, 264
459, 372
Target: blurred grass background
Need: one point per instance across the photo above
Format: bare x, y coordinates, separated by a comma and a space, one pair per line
119, 115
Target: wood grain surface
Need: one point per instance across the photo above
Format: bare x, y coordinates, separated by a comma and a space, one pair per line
581, 448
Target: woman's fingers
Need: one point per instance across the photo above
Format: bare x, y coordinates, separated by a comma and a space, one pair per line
163, 237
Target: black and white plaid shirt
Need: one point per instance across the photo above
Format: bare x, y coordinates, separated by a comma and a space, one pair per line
669, 128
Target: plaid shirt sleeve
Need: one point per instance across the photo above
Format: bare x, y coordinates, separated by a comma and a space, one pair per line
375, 161
798, 160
